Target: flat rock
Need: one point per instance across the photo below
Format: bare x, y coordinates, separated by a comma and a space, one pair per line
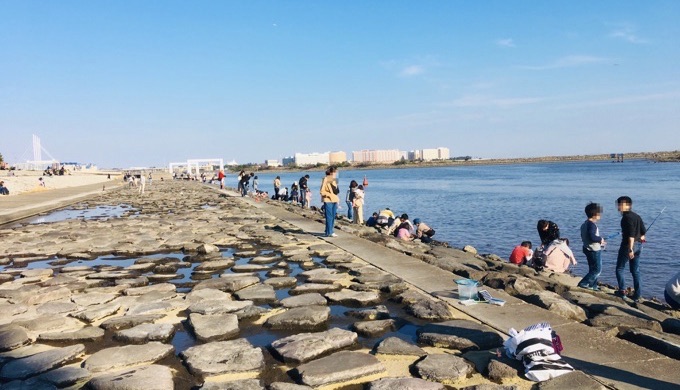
354, 298
498, 371
218, 306
161, 287
223, 357
239, 384
49, 323
246, 268
443, 368
374, 328
310, 299
264, 259
153, 377
663, 343
12, 309
462, 335
428, 309
89, 299
55, 308
339, 367
44, 295
397, 346
558, 305
314, 288
117, 358
64, 376
287, 386
404, 384
207, 294
205, 249
281, 282
228, 282
378, 313
259, 293
623, 322
144, 333
96, 312
304, 318
304, 347
129, 321
214, 265
40, 362
88, 333
41, 273
214, 327
12, 337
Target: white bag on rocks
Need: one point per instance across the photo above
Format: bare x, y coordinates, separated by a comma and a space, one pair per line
534, 347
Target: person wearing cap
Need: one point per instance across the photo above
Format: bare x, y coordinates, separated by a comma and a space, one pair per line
423, 231
3, 189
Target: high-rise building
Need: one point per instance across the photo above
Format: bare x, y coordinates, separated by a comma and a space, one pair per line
306, 159
376, 156
337, 157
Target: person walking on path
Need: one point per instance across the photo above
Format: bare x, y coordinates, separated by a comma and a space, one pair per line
220, 177
633, 235
592, 246
329, 196
142, 184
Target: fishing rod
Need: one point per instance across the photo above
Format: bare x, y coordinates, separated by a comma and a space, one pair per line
649, 227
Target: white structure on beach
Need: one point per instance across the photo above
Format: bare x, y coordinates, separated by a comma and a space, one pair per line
377, 156
38, 164
195, 166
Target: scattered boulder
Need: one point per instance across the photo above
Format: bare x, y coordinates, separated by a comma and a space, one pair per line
443, 368
462, 335
428, 309
12, 337
64, 376
117, 358
96, 312
223, 357
378, 313
143, 333
130, 321
314, 288
339, 367
40, 362
498, 371
558, 305
88, 333
260, 293
214, 327
153, 377
304, 347
404, 384
303, 318
310, 299
218, 306
397, 346
354, 298
374, 328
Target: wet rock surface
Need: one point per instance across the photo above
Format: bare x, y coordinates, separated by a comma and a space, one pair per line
443, 368
222, 357
462, 335
303, 347
338, 367
150, 377
130, 355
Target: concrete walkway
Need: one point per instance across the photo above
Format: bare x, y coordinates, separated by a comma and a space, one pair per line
612, 361
16, 207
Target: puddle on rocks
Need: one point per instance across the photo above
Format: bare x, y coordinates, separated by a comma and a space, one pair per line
92, 213
258, 335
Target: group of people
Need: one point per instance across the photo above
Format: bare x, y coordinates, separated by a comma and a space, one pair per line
554, 253
401, 227
299, 193
138, 181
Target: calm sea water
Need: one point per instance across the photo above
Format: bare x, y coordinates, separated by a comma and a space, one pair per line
494, 208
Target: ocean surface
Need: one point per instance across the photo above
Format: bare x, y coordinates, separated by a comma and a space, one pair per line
495, 207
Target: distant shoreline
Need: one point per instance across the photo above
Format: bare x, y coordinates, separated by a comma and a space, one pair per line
673, 156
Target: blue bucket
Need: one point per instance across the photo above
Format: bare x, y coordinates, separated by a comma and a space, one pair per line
467, 289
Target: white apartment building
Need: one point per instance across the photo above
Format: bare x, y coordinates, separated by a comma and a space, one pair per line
305, 159
376, 156
429, 154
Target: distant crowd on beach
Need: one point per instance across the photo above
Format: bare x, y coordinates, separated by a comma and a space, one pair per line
555, 254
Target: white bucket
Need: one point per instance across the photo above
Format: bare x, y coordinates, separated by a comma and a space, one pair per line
467, 289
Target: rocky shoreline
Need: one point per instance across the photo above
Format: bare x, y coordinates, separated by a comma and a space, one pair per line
191, 288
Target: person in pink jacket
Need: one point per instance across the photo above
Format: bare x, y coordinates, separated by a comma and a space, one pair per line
558, 255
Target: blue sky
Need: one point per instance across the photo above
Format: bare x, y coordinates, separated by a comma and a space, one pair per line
132, 83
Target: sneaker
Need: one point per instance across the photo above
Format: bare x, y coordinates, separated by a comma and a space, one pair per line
595, 288
332, 235
583, 286
620, 293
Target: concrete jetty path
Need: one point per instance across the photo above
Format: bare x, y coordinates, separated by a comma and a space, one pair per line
612, 361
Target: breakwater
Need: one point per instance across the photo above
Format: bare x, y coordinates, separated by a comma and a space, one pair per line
232, 279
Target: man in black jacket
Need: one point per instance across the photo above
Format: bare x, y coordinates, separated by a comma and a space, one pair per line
633, 235
303, 190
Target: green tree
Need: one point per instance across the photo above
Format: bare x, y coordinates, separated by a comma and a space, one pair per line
1, 159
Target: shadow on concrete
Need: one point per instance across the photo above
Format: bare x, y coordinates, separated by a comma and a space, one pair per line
619, 375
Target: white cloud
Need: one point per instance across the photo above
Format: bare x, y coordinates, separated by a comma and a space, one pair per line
627, 33
661, 96
569, 62
505, 42
412, 70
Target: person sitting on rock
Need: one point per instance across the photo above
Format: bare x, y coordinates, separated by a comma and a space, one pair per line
522, 254
3, 189
423, 232
401, 223
558, 256
548, 231
385, 218
672, 292
373, 220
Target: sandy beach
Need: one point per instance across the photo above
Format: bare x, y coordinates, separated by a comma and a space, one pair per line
27, 181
